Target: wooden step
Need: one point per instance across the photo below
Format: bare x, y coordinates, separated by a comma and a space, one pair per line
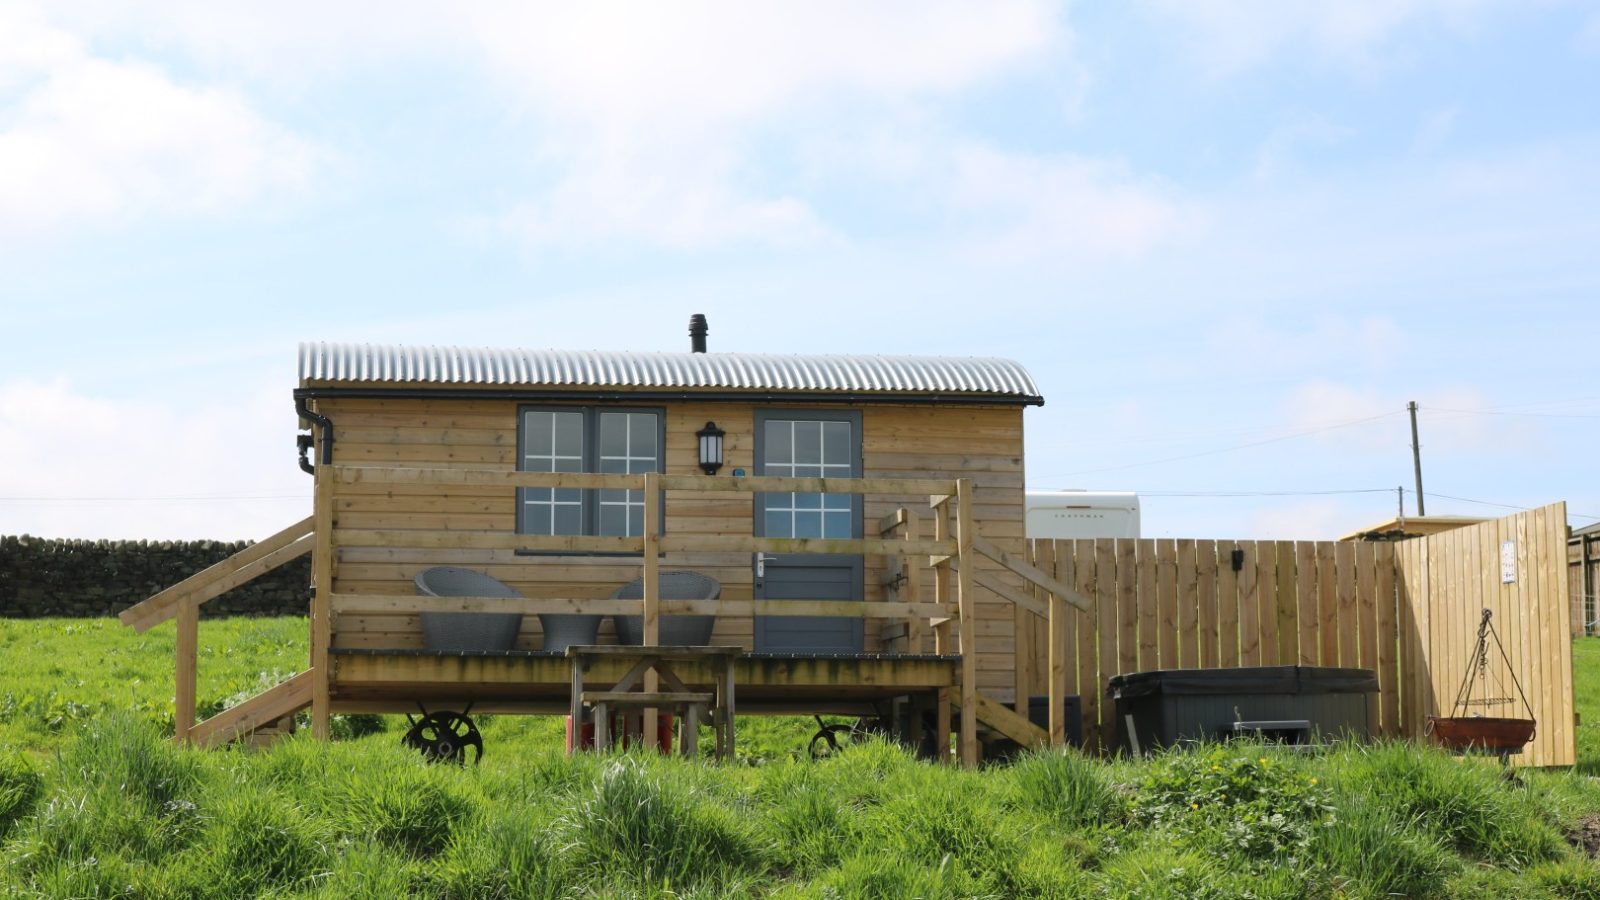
262, 710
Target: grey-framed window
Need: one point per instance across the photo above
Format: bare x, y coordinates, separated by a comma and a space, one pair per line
586, 439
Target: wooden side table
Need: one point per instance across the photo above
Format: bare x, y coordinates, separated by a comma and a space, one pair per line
625, 694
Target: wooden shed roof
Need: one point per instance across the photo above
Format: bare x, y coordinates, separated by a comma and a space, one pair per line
333, 365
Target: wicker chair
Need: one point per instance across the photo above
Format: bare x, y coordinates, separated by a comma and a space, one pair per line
466, 631
676, 631
491, 631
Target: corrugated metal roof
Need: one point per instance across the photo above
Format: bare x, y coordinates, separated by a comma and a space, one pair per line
327, 364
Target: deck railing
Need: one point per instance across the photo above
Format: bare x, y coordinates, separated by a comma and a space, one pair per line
951, 552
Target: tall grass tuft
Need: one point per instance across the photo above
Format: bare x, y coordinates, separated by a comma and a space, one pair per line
131, 756
1064, 785
256, 842
505, 854
1369, 852
20, 787
1464, 803
644, 830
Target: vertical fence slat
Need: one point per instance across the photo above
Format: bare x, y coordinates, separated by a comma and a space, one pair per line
1188, 606
1327, 605
1389, 638
1305, 591
1367, 610
1206, 588
1249, 611
1267, 600
1088, 645
1149, 607
1227, 605
1345, 574
1167, 598
1127, 589
1288, 605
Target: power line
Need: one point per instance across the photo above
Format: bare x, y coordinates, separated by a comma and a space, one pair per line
1505, 505
1263, 493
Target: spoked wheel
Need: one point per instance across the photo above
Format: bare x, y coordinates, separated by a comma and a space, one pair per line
829, 739
444, 736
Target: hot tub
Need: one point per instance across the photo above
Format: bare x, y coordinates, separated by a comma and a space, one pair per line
1294, 704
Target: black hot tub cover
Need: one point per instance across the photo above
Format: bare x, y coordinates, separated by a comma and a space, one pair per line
1251, 680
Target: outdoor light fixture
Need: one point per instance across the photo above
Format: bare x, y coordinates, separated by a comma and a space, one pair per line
710, 447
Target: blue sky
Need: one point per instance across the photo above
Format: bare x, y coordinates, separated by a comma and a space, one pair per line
1230, 239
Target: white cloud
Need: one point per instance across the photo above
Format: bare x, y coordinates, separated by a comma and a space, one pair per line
651, 118
87, 140
1061, 206
79, 464
1230, 36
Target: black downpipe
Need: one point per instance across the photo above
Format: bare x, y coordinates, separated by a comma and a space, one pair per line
304, 440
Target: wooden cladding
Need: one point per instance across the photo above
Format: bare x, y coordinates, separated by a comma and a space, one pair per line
1407, 611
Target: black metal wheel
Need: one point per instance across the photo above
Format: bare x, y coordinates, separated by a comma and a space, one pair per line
444, 736
829, 739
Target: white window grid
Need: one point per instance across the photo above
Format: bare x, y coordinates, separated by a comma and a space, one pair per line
541, 504
792, 513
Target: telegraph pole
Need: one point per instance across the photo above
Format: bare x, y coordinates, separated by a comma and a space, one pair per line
1416, 455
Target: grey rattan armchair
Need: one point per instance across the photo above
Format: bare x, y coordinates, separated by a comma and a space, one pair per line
687, 631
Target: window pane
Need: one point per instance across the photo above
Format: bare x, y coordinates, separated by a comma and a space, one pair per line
642, 435
635, 520
613, 465
836, 501
836, 443
779, 440
836, 525
538, 439
569, 495
569, 519
613, 520
807, 471
780, 523
808, 501
808, 524
808, 442
613, 435
569, 433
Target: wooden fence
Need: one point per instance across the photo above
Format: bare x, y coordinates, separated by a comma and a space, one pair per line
1583, 581
1181, 604
1447, 579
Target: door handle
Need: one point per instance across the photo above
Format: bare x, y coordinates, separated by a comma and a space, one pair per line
761, 564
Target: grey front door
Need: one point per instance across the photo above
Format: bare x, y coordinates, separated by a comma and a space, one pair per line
808, 444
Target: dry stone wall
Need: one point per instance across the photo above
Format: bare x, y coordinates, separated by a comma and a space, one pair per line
53, 577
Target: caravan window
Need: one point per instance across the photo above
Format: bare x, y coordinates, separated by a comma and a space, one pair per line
584, 439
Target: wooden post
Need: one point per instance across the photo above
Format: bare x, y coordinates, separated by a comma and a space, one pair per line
188, 650
1060, 659
652, 590
966, 604
941, 575
913, 585
321, 603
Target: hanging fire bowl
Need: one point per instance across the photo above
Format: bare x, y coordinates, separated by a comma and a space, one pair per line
1478, 733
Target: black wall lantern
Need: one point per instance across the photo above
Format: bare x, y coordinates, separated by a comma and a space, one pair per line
710, 447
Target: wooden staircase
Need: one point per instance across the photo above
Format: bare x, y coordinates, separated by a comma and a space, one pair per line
269, 713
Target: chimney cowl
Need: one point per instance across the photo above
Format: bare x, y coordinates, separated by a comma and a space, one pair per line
697, 333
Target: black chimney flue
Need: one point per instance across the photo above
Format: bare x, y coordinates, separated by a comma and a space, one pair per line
697, 333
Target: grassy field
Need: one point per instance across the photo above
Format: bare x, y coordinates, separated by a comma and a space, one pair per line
94, 802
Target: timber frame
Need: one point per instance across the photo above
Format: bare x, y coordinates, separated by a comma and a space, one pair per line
961, 563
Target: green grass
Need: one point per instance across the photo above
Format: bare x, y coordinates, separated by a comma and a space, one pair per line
100, 804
